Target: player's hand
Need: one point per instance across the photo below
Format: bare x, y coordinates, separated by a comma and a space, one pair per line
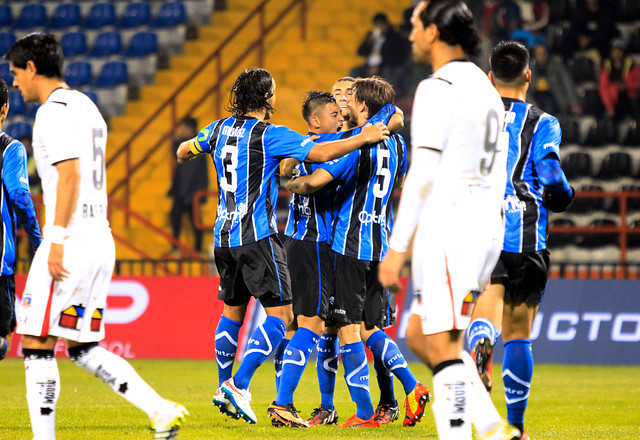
56, 255
389, 270
375, 132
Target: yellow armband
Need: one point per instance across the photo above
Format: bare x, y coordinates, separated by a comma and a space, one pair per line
194, 148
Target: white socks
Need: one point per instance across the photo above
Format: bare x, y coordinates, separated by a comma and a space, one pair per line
482, 412
451, 401
43, 388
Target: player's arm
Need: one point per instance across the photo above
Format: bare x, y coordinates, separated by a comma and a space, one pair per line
66, 198
417, 188
287, 166
188, 150
15, 177
396, 123
311, 183
558, 193
326, 151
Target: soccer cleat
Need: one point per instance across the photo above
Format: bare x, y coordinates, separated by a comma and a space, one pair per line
224, 405
166, 425
502, 431
356, 422
482, 353
285, 415
4, 347
323, 416
525, 436
414, 404
240, 400
385, 413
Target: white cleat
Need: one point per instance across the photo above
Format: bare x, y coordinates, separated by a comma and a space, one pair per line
503, 431
240, 400
224, 405
165, 425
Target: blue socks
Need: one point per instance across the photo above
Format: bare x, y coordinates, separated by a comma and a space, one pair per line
263, 341
356, 374
517, 370
277, 360
226, 346
295, 360
385, 348
481, 328
385, 382
327, 368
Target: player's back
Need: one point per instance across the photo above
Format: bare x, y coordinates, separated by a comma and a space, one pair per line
469, 114
69, 126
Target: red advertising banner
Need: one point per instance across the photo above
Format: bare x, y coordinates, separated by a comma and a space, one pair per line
164, 317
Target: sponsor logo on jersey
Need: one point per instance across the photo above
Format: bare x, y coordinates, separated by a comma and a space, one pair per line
303, 207
234, 216
550, 145
513, 204
371, 217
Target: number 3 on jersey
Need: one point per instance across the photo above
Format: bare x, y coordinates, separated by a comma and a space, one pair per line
229, 177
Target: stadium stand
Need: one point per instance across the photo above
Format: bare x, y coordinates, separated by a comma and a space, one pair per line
100, 15
65, 16
78, 74
73, 44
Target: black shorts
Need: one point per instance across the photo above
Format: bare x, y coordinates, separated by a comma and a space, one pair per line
257, 269
311, 270
358, 296
7, 305
524, 275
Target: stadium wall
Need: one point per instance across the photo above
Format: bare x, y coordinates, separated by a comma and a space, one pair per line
579, 322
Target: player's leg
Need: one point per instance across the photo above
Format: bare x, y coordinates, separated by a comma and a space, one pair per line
483, 331
7, 313
327, 370
226, 338
517, 367
278, 355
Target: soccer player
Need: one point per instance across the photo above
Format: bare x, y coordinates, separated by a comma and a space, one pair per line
16, 205
341, 90
535, 185
364, 219
452, 202
67, 286
251, 261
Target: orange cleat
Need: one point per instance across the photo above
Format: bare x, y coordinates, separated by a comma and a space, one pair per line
356, 422
415, 403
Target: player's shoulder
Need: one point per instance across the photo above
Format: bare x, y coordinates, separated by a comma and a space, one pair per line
8, 142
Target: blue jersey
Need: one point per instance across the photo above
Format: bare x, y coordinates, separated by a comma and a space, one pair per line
311, 216
533, 135
246, 154
364, 212
15, 200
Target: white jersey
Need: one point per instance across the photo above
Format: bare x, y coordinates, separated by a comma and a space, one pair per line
69, 126
458, 111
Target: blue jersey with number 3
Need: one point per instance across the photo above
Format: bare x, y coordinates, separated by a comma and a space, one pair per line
246, 154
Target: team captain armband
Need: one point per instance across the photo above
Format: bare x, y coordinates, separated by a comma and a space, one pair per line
194, 147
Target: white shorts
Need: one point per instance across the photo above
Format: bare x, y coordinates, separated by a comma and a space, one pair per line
453, 257
72, 308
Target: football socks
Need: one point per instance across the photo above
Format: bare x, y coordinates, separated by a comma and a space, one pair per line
226, 346
263, 341
294, 362
385, 382
277, 360
482, 412
43, 388
385, 348
327, 368
356, 374
517, 371
481, 328
450, 404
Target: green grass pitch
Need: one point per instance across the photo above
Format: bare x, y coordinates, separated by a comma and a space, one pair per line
567, 402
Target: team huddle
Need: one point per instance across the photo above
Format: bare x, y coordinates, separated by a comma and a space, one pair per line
330, 283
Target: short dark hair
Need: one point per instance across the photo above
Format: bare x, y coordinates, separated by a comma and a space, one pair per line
4, 93
455, 24
509, 61
43, 49
314, 101
375, 92
380, 17
250, 92
190, 122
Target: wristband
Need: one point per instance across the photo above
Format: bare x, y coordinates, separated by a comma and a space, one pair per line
56, 234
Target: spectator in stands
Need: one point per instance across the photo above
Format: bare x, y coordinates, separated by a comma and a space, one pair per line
552, 87
534, 18
593, 27
619, 83
188, 178
385, 51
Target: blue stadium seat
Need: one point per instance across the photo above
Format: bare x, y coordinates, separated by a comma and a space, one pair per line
6, 17
112, 74
65, 15
78, 74
5, 73
106, 43
31, 15
100, 15
170, 14
142, 44
18, 130
17, 106
6, 41
134, 15
73, 43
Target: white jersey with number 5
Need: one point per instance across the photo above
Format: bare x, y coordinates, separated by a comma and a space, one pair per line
69, 126
458, 113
